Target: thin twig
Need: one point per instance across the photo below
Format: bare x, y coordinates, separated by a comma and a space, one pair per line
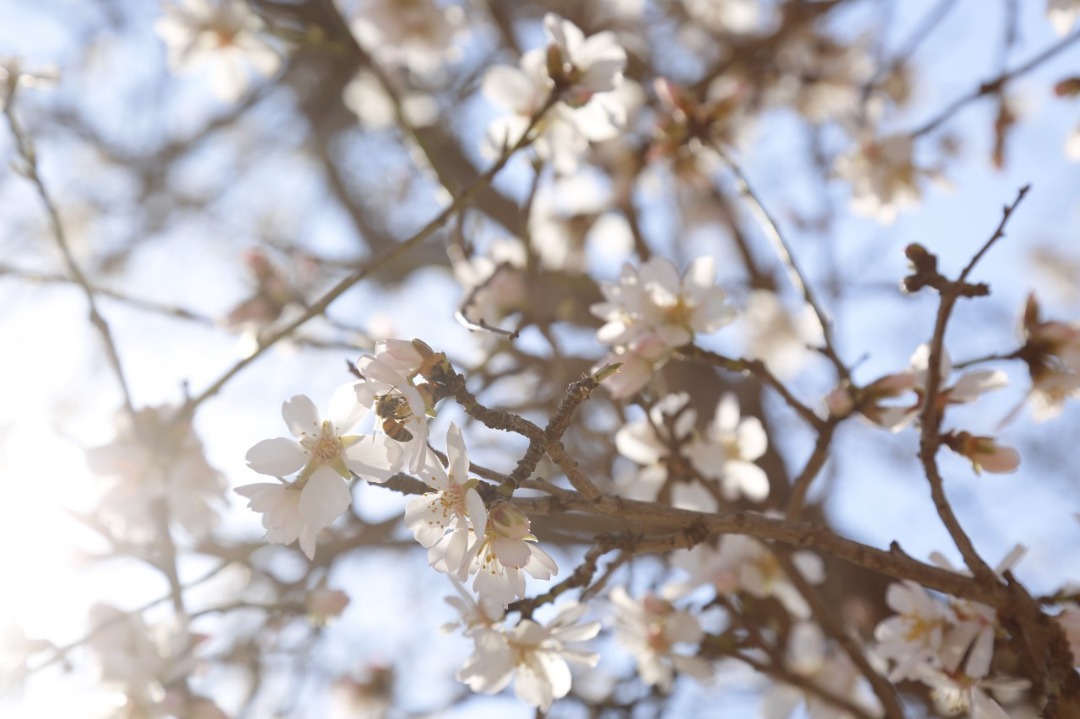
930, 440
29, 169
783, 251
994, 86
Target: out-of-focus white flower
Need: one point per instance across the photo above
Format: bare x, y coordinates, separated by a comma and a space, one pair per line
781, 339
219, 35
1051, 352
726, 16
534, 656
580, 66
1062, 14
744, 564
883, 175
138, 659
583, 71
657, 442
650, 629
156, 469
821, 77
638, 362
655, 297
325, 457
811, 657
654, 307
501, 556
420, 35
728, 450
455, 507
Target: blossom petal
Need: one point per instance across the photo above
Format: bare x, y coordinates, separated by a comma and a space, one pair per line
276, 457
300, 415
324, 498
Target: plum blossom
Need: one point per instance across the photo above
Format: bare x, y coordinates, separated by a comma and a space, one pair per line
1052, 353
728, 450
744, 564
967, 389
654, 307
650, 629
948, 644
325, 458
156, 465
533, 655
812, 658
501, 556
583, 71
417, 34
883, 176
445, 519
777, 336
916, 634
221, 36
656, 442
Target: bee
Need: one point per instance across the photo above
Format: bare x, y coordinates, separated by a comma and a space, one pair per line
394, 411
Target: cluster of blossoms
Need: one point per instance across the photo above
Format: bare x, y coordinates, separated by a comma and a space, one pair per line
148, 664
870, 401
947, 644
651, 312
821, 665
692, 470
155, 474
581, 72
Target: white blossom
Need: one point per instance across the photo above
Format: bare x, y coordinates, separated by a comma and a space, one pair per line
1062, 14
501, 556
325, 458
534, 656
445, 519
744, 564
728, 449
883, 175
155, 467
650, 629
417, 34
221, 36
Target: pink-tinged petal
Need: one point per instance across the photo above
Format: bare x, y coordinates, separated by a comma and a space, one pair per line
982, 651
424, 518
511, 552
541, 565
264, 496
565, 34
276, 457
307, 541
474, 505
301, 416
556, 672
509, 87
324, 498
345, 408
455, 549
372, 457
974, 384
459, 458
